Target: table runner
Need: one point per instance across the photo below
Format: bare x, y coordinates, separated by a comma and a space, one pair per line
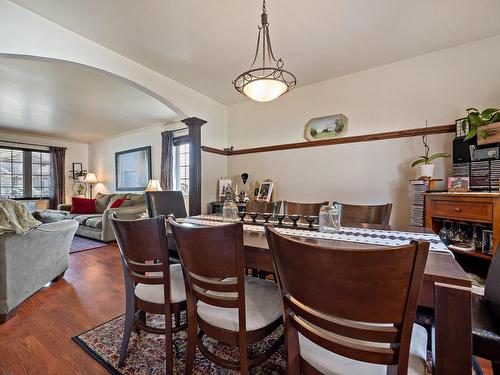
349, 234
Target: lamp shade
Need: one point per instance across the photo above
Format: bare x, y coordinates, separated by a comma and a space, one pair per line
154, 185
91, 178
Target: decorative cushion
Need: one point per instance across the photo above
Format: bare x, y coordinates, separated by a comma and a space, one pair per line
94, 222
82, 206
82, 219
133, 199
102, 202
49, 216
262, 306
330, 363
154, 293
116, 202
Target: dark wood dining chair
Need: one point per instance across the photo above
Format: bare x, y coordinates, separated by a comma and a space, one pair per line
365, 214
148, 278
295, 208
264, 207
168, 202
486, 318
350, 311
221, 301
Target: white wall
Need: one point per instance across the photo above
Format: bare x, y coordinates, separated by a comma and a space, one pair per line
102, 160
437, 87
75, 153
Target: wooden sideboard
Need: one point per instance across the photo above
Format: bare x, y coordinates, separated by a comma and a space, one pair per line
469, 207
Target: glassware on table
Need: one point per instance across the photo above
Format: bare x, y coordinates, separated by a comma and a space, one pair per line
230, 209
310, 219
443, 233
254, 216
266, 216
294, 219
242, 215
477, 240
280, 218
329, 218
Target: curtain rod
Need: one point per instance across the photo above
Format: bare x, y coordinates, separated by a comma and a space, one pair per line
28, 144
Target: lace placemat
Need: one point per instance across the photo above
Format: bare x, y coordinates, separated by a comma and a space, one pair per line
349, 234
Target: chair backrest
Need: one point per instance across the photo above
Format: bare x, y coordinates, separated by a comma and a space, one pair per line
264, 207
366, 295
365, 214
492, 287
170, 202
294, 208
209, 255
143, 249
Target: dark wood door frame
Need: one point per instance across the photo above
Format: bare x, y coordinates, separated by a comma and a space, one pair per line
194, 125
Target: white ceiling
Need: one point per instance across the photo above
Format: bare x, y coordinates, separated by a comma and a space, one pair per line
205, 44
71, 101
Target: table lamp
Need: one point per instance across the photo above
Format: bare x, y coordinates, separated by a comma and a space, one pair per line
154, 185
90, 179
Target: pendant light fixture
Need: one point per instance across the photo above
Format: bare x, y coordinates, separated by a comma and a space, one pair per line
269, 81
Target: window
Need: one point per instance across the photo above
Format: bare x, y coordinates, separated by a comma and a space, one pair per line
24, 173
181, 166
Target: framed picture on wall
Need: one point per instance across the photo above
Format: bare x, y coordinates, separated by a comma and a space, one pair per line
265, 191
133, 169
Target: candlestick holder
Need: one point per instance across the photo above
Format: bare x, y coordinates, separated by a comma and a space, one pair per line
254, 216
266, 216
310, 219
280, 218
242, 215
294, 219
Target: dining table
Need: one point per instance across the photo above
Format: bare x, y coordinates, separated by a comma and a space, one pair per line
446, 289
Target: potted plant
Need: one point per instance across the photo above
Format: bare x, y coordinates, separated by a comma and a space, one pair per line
476, 122
426, 169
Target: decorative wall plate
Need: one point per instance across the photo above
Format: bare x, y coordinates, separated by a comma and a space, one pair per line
326, 127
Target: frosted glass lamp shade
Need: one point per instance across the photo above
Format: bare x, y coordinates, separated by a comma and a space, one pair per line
90, 178
264, 90
154, 185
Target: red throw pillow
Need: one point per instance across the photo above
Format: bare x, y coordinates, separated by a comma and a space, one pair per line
118, 202
82, 206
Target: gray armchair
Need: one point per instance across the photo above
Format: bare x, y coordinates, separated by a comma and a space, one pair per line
29, 261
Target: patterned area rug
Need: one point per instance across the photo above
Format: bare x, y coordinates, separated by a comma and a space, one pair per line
82, 244
146, 354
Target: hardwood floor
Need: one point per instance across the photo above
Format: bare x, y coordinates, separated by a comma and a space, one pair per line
37, 340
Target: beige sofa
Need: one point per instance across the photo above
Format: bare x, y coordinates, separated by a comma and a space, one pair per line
31, 260
97, 226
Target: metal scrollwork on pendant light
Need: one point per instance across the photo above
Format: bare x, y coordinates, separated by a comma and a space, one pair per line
265, 83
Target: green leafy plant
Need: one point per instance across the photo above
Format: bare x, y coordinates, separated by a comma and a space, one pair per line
475, 120
426, 158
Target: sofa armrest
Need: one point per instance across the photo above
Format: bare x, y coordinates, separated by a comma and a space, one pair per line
124, 213
64, 207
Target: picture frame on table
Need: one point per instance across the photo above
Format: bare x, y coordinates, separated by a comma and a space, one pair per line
487, 241
458, 184
133, 169
224, 184
265, 191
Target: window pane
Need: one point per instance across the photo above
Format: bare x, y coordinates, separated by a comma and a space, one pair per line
36, 169
35, 157
17, 155
46, 169
45, 157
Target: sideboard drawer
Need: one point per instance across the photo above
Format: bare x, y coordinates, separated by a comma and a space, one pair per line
480, 211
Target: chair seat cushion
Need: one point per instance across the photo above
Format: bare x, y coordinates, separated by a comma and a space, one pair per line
330, 363
154, 293
262, 307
